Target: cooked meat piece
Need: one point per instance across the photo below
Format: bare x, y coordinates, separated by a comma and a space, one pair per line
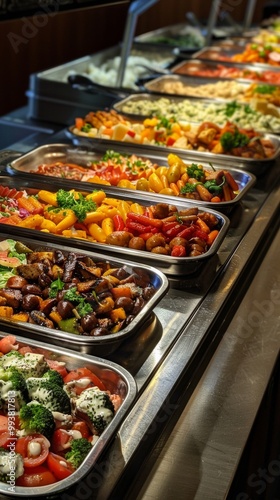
30, 271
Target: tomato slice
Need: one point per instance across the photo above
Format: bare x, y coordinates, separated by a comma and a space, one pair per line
59, 466
84, 373
55, 365
61, 441
34, 449
36, 476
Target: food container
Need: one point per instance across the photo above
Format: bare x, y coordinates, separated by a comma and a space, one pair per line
27, 165
100, 345
52, 98
224, 55
194, 110
177, 35
219, 71
160, 86
165, 263
257, 167
116, 379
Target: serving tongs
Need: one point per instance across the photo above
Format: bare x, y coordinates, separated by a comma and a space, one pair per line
82, 82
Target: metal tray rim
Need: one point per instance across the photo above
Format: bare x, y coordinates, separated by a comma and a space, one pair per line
107, 435
12, 168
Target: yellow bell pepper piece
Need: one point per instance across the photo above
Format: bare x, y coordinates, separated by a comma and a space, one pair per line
107, 225
32, 221
97, 180
107, 211
126, 184
97, 233
96, 216
123, 209
155, 183
48, 197
137, 209
48, 225
111, 201
68, 221
96, 196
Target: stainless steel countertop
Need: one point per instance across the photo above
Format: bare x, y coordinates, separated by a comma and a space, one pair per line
185, 362
202, 452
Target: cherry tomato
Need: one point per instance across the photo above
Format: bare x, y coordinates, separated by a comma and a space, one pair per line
61, 440
59, 466
34, 449
84, 373
82, 427
36, 476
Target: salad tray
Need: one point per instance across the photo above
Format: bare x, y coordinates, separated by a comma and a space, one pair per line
27, 165
171, 265
116, 379
101, 345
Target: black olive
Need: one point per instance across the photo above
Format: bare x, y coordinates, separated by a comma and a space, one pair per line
148, 292
138, 305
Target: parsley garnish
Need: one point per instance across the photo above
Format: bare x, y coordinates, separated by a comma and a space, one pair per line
80, 206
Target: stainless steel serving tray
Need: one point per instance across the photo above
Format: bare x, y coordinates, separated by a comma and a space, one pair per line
257, 167
119, 106
27, 164
117, 380
155, 86
188, 67
106, 344
52, 98
175, 32
223, 55
166, 263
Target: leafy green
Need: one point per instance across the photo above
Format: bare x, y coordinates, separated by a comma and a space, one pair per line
265, 89
188, 188
83, 307
80, 205
195, 171
55, 287
231, 140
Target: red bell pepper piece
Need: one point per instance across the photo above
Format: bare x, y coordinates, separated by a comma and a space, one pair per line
200, 234
118, 223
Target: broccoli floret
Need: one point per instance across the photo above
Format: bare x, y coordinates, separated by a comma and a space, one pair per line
10, 467
13, 385
36, 418
79, 450
48, 394
54, 377
97, 405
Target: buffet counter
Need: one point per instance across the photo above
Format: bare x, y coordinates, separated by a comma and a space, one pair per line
206, 355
